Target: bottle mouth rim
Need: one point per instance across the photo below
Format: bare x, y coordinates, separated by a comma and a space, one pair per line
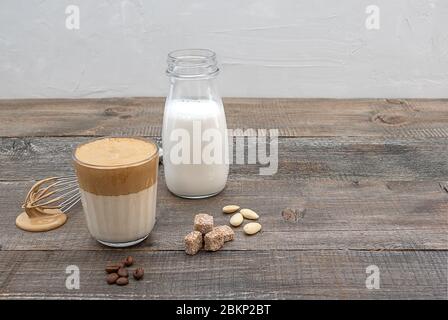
194, 56
192, 63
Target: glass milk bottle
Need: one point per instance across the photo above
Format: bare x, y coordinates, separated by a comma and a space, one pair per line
194, 137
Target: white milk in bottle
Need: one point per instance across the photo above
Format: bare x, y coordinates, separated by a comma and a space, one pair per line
195, 144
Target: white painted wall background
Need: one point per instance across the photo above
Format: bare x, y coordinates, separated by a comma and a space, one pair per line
266, 48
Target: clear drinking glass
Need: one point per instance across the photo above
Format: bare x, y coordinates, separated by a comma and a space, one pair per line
195, 143
117, 179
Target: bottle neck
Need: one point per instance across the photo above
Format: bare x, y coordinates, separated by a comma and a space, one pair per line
197, 89
192, 64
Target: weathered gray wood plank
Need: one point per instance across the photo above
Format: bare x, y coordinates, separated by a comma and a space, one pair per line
355, 192
368, 215
299, 159
371, 175
229, 275
293, 117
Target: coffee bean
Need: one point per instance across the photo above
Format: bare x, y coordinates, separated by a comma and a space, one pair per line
112, 278
129, 261
122, 281
123, 272
138, 273
112, 268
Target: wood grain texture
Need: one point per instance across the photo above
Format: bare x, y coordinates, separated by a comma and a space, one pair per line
228, 275
359, 193
367, 215
339, 158
293, 117
370, 177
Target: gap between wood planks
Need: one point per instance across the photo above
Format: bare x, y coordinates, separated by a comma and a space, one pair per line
130, 249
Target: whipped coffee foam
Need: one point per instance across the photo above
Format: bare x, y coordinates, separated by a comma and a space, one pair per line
116, 166
114, 151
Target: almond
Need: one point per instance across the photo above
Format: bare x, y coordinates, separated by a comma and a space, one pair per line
249, 214
252, 228
230, 208
236, 220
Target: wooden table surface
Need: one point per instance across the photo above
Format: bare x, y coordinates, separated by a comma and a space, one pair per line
370, 174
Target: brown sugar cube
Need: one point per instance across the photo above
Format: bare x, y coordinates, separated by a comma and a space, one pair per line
214, 240
227, 232
193, 242
203, 223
